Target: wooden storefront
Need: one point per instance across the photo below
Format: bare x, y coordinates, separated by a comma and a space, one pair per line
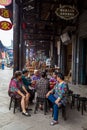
43, 29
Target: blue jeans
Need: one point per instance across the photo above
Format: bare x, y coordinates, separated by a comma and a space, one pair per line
55, 107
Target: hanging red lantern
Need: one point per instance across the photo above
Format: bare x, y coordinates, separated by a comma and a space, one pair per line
30, 43
24, 26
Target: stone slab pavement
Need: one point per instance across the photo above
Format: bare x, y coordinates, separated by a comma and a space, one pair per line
39, 121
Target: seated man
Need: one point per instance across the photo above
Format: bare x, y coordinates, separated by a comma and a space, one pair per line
28, 83
35, 77
57, 96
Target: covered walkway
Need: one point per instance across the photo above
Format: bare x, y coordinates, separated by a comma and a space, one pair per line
10, 121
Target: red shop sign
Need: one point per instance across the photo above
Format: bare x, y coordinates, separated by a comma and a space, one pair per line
5, 13
4, 25
5, 2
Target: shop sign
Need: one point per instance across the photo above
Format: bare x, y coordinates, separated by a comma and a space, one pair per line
4, 25
5, 13
67, 12
5, 2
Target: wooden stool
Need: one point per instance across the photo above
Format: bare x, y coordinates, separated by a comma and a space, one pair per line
69, 96
16, 100
42, 100
82, 103
74, 99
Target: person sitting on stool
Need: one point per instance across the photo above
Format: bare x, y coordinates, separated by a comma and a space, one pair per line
17, 89
28, 84
57, 96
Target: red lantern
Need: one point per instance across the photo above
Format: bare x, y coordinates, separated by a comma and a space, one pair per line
24, 26
30, 43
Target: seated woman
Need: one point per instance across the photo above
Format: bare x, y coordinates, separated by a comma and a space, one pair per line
18, 90
57, 96
42, 86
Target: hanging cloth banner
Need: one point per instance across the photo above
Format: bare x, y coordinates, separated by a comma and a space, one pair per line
4, 25
5, 13
5, 2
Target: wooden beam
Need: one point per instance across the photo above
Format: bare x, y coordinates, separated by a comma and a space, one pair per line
41, 34
38, 39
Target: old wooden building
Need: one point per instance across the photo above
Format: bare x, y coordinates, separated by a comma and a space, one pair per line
57, 27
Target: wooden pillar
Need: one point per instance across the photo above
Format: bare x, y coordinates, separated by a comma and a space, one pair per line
58, 51
51, 54
77, 61
81, 73
55, 56
16, 35
62, 59
22, 54
74, 59
51, 49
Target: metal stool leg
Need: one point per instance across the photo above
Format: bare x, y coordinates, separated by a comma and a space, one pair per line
15, 103
45, 106
36, 106
64, 112
82, 107
10, 103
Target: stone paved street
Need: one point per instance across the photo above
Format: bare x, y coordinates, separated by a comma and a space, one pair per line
39, 121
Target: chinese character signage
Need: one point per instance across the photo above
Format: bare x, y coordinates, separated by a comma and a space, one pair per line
5, 13
4, 25
5, 2
67, 12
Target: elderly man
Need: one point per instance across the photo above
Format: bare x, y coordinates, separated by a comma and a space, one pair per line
35, 77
